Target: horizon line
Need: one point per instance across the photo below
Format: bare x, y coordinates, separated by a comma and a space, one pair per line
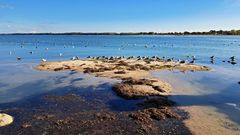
210, 32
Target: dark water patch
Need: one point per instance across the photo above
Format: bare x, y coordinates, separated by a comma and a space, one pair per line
76, 80
73, 73
3, 85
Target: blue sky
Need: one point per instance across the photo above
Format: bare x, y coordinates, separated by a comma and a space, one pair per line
118, 15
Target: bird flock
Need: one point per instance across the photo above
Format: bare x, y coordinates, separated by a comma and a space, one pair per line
190, 59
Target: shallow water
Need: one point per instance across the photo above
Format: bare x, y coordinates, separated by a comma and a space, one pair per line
218, 88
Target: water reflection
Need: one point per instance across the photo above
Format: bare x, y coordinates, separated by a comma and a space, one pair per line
20, 81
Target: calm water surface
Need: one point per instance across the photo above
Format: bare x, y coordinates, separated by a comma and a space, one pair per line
218, 88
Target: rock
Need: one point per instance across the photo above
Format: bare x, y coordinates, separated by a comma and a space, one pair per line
158, 88
156, 102
58, 69
148, 115
120, 72
5, 119
135, 91
26, 125
105, 116
64, 98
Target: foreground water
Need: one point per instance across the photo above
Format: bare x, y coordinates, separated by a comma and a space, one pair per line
212, 95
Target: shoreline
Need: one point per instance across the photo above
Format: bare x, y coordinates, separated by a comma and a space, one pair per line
44, 34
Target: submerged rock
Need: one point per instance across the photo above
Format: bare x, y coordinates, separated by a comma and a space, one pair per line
150, 114
5, 119
69, 97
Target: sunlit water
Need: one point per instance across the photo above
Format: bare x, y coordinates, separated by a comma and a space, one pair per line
218, 88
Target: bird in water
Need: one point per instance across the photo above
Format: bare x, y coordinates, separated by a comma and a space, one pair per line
19, 58
233, 62
60, 54
232, 58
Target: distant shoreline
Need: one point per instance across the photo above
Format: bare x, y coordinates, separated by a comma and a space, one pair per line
59, 34
186, 33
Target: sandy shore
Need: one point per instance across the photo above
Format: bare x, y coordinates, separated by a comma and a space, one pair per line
202, 118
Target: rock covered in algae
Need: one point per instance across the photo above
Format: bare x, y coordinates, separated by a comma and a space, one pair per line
5, 119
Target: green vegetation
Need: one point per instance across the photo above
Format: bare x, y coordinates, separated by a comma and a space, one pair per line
211, 32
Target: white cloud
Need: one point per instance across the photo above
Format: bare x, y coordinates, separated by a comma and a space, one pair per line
6, 6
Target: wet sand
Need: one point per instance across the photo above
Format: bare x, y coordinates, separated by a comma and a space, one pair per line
214, 123
202, 103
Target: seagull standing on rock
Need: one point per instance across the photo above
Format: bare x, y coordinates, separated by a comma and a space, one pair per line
44, 60
193, 58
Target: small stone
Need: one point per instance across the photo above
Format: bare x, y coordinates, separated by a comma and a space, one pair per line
26, 125
5, 119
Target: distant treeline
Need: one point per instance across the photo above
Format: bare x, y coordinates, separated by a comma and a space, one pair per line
211, 32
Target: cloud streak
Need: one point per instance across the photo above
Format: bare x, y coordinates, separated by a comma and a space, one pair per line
6, 6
